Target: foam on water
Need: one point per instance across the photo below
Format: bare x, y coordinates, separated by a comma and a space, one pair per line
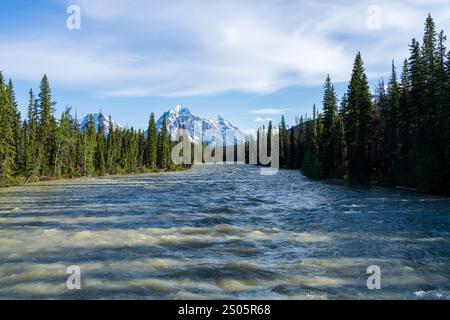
221, 232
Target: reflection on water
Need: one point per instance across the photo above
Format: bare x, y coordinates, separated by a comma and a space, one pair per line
221, 231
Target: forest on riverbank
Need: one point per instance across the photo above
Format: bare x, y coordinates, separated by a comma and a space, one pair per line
41, 147
398, 136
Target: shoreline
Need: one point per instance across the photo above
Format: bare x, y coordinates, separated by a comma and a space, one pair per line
54, 180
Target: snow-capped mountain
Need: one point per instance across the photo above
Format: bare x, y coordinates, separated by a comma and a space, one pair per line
207, 131
99, 119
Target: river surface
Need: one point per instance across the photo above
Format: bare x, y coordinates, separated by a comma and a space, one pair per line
221, 232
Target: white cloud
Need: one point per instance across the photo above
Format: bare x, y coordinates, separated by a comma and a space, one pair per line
271, 111
259, 119
156, 48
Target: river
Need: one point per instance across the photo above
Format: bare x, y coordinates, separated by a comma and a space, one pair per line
221, 232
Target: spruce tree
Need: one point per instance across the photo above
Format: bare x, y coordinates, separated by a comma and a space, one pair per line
64, 159
111, 148
404, 126
327, 145
30, 147
46, 142
380, 139
392, 131
89, 136
100, 163
282, 132
7, 141
446, 126
163, 146
152, 148
16, 127
359, 116
269, 138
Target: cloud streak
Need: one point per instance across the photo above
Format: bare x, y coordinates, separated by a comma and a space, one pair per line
259, 119
269, 111
195, 48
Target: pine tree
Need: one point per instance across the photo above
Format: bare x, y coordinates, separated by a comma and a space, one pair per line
18, 163
89, 136
100, 163
269, 138
79, 157
438, 133
327, 145
380, 140
64, 159
47, 126
292, 149
311, 165
359, 116
152, 148
446, 124
417, 89
30, 146
282, 132
258, 141
446, 127
300, 142
392, 131
142, 148
163, 146
111, 148
7, 141
341, 146
404, 126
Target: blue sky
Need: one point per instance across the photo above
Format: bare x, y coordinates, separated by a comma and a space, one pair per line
247, 60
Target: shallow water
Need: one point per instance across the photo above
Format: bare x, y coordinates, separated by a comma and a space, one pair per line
221, 231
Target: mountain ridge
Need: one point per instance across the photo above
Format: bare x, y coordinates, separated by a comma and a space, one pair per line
201, 130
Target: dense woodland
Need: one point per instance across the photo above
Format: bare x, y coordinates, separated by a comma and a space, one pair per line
40, 147
398, 136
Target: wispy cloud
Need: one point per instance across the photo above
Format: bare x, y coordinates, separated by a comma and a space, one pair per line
259, 119
269, 111
156, 48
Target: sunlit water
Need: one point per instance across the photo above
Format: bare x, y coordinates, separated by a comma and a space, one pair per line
225, 232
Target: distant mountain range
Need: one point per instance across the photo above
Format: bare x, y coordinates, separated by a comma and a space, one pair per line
206, 131
199, 130
99, 119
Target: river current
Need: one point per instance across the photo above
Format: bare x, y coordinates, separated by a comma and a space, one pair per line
221, 232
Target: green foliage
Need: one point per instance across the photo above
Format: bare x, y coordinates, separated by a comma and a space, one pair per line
358, 118
283, 141
152, 143
327, 148
100, 163
46, 129
311, 166
401, 136
7, 137
43, 148
163, 143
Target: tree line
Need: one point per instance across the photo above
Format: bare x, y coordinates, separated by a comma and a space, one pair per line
398, 136
41, 147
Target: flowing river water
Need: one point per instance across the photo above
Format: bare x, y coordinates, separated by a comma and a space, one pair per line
221, 231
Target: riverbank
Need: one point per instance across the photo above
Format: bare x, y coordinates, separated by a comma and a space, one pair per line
341, 181
21, 181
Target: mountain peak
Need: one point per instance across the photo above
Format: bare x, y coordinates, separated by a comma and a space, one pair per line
178, 109
99, 120
200, 130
